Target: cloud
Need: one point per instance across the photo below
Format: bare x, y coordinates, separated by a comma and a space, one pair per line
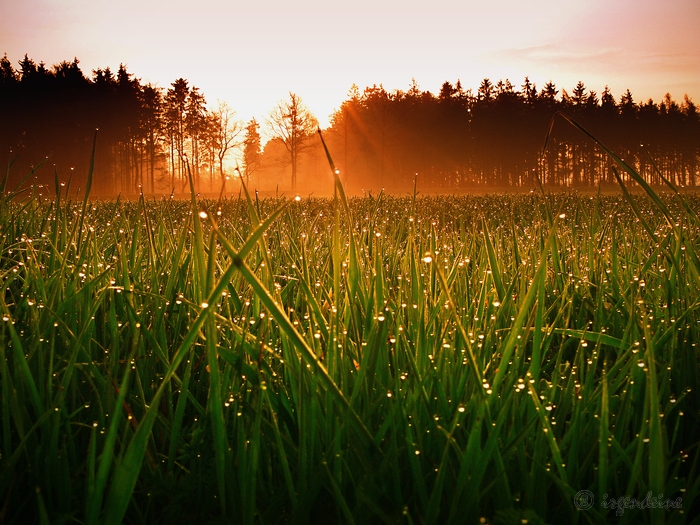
610, 59
645, 69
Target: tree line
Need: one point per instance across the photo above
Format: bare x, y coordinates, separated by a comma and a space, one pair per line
148, 138
494, 137
151, 139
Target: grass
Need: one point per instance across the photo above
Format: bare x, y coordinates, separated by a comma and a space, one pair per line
377, 360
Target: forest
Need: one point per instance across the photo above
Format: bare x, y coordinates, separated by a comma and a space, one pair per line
149, 138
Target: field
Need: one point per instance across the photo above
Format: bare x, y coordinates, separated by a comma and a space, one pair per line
378, 360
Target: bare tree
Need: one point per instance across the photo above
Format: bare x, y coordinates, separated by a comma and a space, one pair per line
226, 132
293, 123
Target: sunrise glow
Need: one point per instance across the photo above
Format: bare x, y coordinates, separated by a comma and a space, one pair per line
252, 54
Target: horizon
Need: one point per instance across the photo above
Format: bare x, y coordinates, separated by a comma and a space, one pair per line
325, 124
243, 55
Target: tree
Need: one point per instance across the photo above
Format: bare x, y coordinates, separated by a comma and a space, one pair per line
549, 94
579, 94
128, 129
252, 150
504, 88
293, 123
196, 126
226, 130
447, 91
627, 106
175, 109
529, 91
7, 73
344, 122
151, 115
486, 90
28, 69
378, 113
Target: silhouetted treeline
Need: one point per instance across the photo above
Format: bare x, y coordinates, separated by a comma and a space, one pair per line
457, 139
150, 138
147, 138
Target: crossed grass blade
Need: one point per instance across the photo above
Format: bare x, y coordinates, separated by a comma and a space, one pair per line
523, 314
287, 327
126, 473
636, 177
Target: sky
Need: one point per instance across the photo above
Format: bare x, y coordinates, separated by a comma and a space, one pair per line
252, 53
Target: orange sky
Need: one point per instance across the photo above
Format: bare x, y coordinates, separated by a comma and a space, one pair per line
252, 53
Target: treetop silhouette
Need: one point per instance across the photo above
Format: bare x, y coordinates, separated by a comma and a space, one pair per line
150, 138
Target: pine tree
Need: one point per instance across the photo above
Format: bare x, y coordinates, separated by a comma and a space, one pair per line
252, 149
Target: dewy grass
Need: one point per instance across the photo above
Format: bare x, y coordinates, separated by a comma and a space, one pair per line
385, 359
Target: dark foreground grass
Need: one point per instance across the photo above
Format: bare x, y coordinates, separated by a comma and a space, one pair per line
377, 360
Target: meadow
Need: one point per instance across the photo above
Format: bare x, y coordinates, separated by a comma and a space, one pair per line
386, 359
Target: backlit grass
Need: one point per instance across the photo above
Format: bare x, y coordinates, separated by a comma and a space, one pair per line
377, 360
